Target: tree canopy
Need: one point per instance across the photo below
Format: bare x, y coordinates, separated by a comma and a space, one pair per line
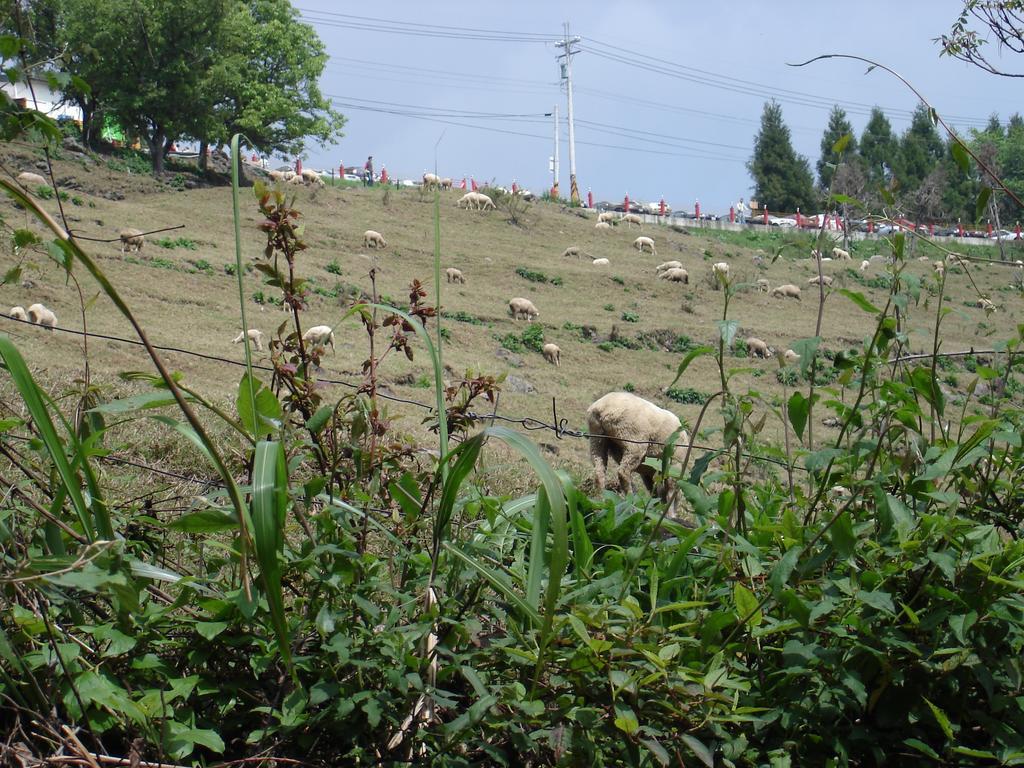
838, 126
782, 178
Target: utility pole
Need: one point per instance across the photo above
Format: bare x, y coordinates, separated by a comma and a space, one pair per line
567, 42
554, 160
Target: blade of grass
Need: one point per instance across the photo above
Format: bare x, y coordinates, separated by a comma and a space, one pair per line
269, 507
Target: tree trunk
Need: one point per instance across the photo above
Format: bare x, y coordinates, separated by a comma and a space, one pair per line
204, 162
157, 146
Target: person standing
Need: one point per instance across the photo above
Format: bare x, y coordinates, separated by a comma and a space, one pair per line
741, 212
368, 172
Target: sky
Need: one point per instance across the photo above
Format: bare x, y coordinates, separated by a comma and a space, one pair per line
667, 96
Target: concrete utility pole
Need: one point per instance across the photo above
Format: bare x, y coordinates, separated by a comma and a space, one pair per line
567, 43
554, 160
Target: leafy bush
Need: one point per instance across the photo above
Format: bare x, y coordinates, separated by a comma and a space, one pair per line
686, 395
609, 307
333, 267
631, 317
537, 277
618, 280
462, 317
512, 342
533, 337
177, 242
44, 192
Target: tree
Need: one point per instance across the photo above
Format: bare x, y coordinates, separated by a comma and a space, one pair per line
1005, 22
921, 149
838, 126
782, 178
878, 149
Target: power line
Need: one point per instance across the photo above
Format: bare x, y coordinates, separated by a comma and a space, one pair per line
417, 29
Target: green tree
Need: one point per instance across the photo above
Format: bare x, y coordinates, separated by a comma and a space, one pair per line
782, 178
960, 191
878, 149
838, 126
1004, 20
921, 149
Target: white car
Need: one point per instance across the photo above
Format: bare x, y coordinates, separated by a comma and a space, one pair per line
352, 177
781, 221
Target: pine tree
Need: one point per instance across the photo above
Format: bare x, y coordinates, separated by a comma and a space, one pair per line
838, 126
878, 149
921, 149
782, 178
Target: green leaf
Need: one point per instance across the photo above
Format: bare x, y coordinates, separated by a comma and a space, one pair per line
692, 355
659, 752
269, 511
797, 409
625, 720
746, 605
941, 719
268, 411
877, 599
846, 200
205, 521
860, 300
784, 569
841, 143
960, 155
727, 330
319, 419
920, 746
841, 535
406, 492
145, 401
498, 581
208, 630
699, 749
982, 202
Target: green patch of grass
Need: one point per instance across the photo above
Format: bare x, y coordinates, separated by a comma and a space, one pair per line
462, 317
687, 395
609, 307
667, 340
76, 200
512, 342
631, 317
230, 269
44, 192
177, 242
334, 268
202, 265
535, 276
533, 337
618, 280
628, 387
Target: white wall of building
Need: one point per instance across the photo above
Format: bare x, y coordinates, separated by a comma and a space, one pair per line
46, 100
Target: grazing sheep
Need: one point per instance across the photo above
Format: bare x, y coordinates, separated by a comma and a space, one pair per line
787, 291
276, 175
825, 279
758, 348
668, 265
939, 267
296, 179
839, 253
987, 304
319, 336
374, 239
790, 357
467, 201
454, 275
485, 202
763, 285
602, 225
18, 313
644, 242
289, 174
255, 336
630, 429
309, 176
552, 354
131, 239
877, 258
520, 308
40, 315
675, 275
605, 216
632, 218
431, 181
446, 183
572, 250
29, 179
864, 265
601, 262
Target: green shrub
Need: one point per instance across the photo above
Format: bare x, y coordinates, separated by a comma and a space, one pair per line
533, 337
687, 395
44, 192
512, 342
462, 317
230, 269
177, 242
609, 307
75, 200
631, 317
618, 280
606, 346
334, 268
532, 275
628, 387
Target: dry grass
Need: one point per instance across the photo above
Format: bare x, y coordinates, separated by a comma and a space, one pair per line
181, 305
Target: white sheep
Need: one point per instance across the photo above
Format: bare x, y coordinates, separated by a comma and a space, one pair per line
289, 175
987, 304
633, 218
131, 239
18, 313
602, 225
644, 242
630, 429
763, 285
467, 201
572, 250
484, 202
34, 180
675, 275
319, 336
296, 179
824, 279
668, 265
864, 265
940, 268
839, 253
552, 354
40, 315
758, 348
374, 239
446, 183
520, 308
431, 181
601, 262
255, 336
787, 291
277, 175
790, 357
454, 275
605, 216
309, 176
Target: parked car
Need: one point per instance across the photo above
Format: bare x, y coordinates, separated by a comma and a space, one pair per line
1003, 234
781, 221
352, 177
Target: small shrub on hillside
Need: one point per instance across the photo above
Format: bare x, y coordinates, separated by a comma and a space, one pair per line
177, 242
788, 376
630, 317
606, 346
130, 161
177, 182
687, 396
259, 297
77, 201
512, 342
44, 192
446, 334
628, 387
202, 265
334, 268
740, 349
230, 269
618, 280
535, 276
462, 317
161, 263
609, 307
533, 337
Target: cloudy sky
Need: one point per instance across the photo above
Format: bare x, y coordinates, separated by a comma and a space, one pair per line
668, 95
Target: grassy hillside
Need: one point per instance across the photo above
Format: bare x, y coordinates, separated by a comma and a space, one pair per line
617, 326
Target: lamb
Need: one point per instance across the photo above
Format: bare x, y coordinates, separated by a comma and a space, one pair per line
277, 176
28, 179
572, 250
131, 239
763, 285
823, 279
790, 357
520, 308
940, 268
40, 315
374, 239
632, 218
644, 242
787, 291
454, 275
601, 262
255, 336
631, 429
605, 216
758, 348
839, 253
552, 354
467, 201
446, 183
987, 304
295, 179
602, 225
676, 275
431, 181
18, 313
484, 201
864, 265
668, 265
319, 336
289, 174
309, 176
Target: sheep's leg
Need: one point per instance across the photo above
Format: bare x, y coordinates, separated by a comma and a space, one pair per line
599, 457
633, 455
